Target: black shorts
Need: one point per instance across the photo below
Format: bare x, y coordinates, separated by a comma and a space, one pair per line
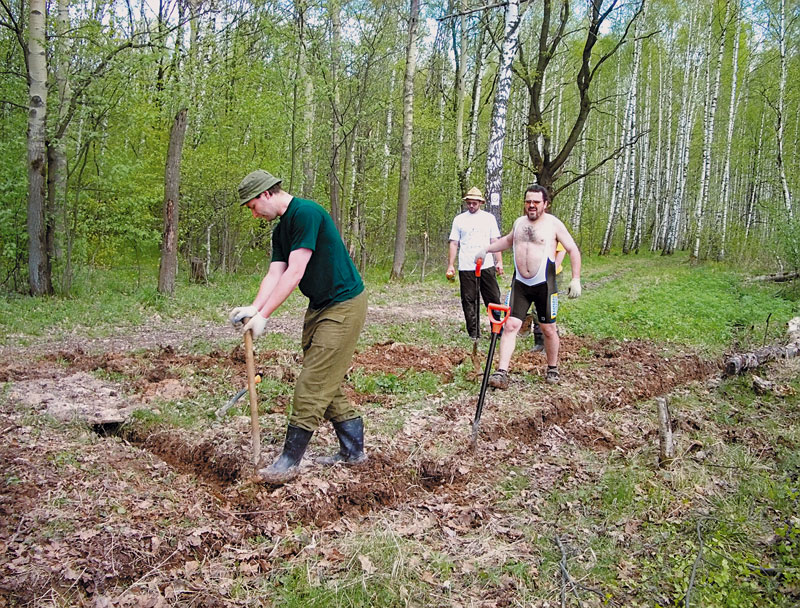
543, 296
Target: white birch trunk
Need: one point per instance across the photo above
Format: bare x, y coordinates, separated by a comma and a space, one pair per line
787, 195
620, 174
461, 97
645, 190
754, 193
497, 132
684, 136
387, 153
631, 149
577, 213
726, 172
712, 95
333, 177
39, 278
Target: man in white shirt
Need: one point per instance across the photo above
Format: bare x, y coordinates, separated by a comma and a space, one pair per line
474, 230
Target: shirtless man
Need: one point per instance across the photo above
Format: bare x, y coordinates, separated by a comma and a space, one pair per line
534, 238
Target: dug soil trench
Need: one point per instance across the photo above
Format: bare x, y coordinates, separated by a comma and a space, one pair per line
120, 511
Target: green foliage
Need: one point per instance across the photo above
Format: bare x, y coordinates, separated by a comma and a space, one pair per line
408, 383
789, 242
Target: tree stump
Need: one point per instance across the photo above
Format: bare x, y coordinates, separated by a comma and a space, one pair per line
198, 270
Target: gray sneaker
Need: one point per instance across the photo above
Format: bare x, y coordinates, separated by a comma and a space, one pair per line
499, 379
551, 376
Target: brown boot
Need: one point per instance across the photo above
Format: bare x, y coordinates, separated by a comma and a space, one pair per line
499, 379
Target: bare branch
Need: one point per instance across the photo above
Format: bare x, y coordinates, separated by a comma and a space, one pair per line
475, 10
615, 154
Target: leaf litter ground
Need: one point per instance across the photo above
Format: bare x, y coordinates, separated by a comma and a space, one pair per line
95, 512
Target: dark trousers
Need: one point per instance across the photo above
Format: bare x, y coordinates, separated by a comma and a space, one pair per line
489, 290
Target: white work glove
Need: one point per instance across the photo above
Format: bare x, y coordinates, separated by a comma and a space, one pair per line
574, 290
481, 255
239, 314
257, 324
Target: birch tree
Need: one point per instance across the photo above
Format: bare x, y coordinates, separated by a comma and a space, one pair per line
497, 129
712, 95
780, 112
732, 107
39, 268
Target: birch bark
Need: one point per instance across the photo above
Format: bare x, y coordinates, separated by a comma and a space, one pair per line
39, 269
712, 95
497, 131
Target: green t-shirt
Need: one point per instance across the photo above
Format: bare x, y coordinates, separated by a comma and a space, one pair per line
330, 276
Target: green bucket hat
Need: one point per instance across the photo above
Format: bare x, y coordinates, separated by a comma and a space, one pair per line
254, 184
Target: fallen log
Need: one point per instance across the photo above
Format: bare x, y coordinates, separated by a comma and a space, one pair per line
778, 277
739, 363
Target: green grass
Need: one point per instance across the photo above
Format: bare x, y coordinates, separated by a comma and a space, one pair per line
668, 299
638, 296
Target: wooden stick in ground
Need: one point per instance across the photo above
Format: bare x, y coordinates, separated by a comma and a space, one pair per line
666, 447
255, 434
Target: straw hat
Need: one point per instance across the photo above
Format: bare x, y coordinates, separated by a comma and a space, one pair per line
473, 194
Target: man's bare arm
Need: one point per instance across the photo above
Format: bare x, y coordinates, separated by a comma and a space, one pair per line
287, 281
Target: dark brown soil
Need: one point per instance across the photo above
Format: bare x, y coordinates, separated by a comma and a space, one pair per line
128, 512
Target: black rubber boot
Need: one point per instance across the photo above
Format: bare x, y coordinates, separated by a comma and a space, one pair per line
286, 467
351, 443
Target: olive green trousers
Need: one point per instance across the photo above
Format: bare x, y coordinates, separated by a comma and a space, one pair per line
329, 340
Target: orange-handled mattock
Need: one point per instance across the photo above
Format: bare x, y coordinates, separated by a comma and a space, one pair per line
497, 325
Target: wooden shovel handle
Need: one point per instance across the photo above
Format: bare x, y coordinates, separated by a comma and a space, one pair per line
255, 434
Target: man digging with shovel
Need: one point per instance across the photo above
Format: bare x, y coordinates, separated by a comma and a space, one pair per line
308, 252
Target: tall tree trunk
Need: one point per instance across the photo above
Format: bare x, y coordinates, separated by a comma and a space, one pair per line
58, 224
577, 213
475, 109
497, 130
309, 175
403, 187
387, 150
620, 174
39, 270
683, 139
726, 172
460, 53
666, 185
333, 176
787, 195
712, 95
754, 197
645, 189
300, 76
307, 104
631, 147
168, 268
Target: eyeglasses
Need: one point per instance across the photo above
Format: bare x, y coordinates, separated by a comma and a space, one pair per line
535, 202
